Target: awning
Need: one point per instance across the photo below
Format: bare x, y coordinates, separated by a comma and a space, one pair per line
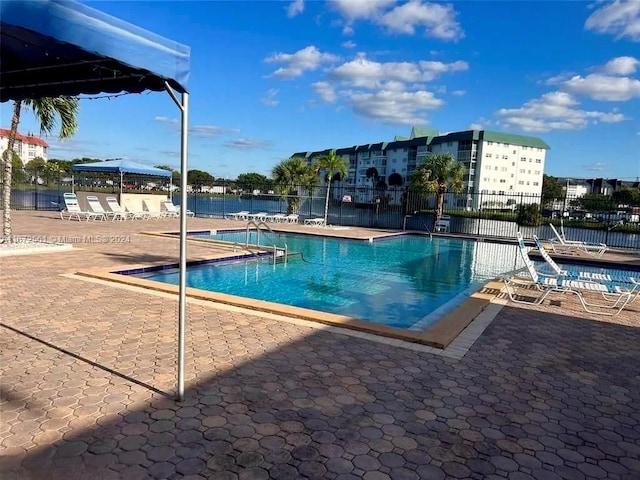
50, 48
121, 166
53, 48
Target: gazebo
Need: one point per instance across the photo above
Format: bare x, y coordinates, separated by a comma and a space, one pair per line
50, 48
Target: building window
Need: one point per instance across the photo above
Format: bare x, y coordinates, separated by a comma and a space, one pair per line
523, 159
537, 172
514, 152
502, 180
538, 160
521, 182
505, 157
489, 143
536, 184
521, 170
525, 148
489, 155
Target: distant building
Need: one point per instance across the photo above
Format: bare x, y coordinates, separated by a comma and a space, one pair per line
501, 164
27, 147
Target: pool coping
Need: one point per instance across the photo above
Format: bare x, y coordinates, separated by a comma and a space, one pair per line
438, 335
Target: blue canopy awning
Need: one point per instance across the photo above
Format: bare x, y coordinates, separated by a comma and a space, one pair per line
61, 47
121, 166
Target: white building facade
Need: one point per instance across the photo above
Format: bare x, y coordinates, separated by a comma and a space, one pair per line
502, 170
27, 147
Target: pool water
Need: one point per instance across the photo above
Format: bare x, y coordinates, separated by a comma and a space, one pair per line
406, 281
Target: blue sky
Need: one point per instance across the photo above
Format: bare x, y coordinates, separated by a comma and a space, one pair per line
272, 78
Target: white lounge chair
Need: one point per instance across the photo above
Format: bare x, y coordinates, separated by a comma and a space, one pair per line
95, 206
73, 211
560, 244
316, 222
157, 214
443, 224
260, 216
138, 214
634, 282
616, 296
276, 218
292, 218
172, 210
243, 215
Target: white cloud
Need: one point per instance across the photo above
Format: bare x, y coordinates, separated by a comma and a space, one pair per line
270, 98
325, 91
437, 20
459, 93
307, 59
554, 111
393, 107
620, 18
604, 87
295, 8
247, 143
366, 73
200, 131
349, 44
597, 167
476, 126
621, 66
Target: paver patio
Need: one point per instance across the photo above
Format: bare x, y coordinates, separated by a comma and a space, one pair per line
88, 371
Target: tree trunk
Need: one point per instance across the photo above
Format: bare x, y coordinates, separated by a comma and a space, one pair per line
439, 205
326, 202
8, 171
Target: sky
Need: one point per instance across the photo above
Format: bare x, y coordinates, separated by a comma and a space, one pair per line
272, 78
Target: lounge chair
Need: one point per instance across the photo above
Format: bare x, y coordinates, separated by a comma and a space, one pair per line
617, 296
443, 224
316, 222
72, 210
96, 207
138, 214
292, 218
590, 276
172, 210
243, 215
560, 244
260, 216
157, 214
276, 218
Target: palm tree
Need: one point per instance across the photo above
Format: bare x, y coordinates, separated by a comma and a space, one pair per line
47, 111
335, 166
289, 175
439, 174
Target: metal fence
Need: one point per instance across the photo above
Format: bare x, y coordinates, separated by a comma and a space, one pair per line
484, 215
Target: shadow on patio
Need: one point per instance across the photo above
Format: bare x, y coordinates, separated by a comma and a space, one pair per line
545, 395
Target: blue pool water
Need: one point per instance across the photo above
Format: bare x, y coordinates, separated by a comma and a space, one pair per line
404, 281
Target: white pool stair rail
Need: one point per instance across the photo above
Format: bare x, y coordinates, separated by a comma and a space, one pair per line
260, 226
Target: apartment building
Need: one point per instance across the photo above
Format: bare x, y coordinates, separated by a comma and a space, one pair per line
27, 147
502, 167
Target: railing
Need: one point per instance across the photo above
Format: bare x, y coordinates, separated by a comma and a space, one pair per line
424, 224
257, 226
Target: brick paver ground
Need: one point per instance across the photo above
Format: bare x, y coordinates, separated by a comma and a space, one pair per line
88, 370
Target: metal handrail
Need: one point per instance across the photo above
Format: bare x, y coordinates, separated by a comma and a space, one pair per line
424, 224
259, 224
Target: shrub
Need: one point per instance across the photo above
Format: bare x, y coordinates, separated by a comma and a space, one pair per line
529, 215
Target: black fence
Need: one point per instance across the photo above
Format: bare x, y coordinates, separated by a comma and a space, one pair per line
588, 218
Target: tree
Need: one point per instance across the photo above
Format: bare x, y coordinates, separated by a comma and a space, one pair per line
551, 189
594, 202
249, 181
333, 165
47, 112
529, 215
627, 196
395, 180
198, 178
289, 175
372, 174
439, 174
36, 163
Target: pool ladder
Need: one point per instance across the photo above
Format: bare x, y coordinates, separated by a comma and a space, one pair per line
424, 224
276, 249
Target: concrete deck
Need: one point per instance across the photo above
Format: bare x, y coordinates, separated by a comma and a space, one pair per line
88, 366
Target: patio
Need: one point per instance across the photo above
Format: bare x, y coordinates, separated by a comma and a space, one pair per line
88, 373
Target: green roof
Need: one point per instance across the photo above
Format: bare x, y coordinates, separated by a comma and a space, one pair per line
522, 140
399, 138
423, 132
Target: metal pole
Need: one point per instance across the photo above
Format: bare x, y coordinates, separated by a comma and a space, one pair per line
182, 302
182, 299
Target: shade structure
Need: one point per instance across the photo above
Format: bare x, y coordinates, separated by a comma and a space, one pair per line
121, 166
50, 48
53, 48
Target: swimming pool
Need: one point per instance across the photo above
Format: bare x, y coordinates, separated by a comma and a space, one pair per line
405, 281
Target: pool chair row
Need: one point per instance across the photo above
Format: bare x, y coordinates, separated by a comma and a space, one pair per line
560, 244
613, 294
263, 217
72, 210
